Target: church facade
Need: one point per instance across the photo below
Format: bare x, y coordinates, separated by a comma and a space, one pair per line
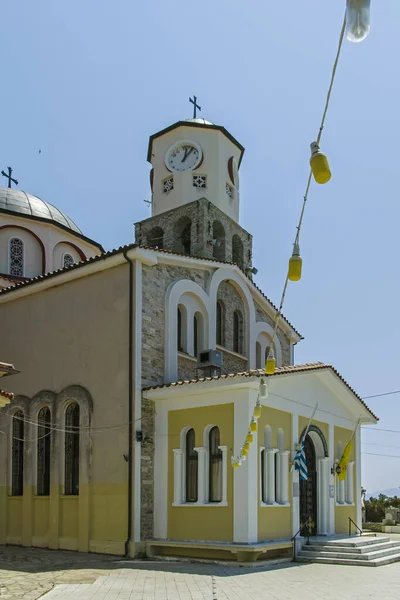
139, 372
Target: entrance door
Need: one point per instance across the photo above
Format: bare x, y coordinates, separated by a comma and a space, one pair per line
308, 491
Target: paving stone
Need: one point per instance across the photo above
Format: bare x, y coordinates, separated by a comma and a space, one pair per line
29, 574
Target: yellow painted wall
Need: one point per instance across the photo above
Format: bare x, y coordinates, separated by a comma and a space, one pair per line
108, 517
342, 512
69, 522
200, 522
14, 520
274, 522
41, 520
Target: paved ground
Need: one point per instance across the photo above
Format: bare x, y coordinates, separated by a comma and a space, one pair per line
30, 574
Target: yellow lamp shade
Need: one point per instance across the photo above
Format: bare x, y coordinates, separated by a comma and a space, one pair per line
257, 411
270, 365
253, 426
249, 438
246, 446
236, 464
244, 451
319, 165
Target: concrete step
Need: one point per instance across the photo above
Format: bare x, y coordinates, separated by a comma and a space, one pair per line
352, 542
350, 556
350, 549
376, 562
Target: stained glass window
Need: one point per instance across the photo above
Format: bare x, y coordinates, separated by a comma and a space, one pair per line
43, 452
71, 481
16, 258
68, 260
17, 483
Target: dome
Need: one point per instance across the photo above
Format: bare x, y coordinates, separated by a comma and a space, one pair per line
200, 121
22, 204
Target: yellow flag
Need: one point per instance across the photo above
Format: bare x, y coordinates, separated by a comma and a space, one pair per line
344, 461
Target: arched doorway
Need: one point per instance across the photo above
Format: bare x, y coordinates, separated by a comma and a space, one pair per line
314, 492
308, 490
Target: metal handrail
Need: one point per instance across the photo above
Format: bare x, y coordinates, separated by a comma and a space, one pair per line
355, 525
293, 539
294, 543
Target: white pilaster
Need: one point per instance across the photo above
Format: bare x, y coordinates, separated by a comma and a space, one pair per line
245, 481
178, 455
350, 483
295, 477
331, 452
224, 450
269, 465
284, 476
323, 496
201, 475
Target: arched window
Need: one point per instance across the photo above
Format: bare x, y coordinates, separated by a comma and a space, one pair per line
182, 328
220, 323
43, 452
218, 241
182, 235
215, 466
237, 332
68, 260
155, 238
237, 251
16, 257
71, 480
191, 467
17, 476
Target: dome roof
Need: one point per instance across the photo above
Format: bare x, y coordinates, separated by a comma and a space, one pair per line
198, 120
23, 204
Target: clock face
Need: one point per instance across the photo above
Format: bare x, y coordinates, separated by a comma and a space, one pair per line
183, 156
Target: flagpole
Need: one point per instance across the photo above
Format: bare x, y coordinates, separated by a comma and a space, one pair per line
309, 423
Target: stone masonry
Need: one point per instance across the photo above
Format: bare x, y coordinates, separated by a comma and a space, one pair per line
207, 223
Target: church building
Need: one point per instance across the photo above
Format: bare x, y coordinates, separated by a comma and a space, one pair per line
139, 372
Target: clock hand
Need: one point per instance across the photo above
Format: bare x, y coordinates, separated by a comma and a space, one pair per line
186, 154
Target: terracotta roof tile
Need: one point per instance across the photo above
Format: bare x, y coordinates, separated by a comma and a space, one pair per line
317, 366
122, 249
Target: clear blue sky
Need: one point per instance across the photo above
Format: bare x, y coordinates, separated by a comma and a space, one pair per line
88, 82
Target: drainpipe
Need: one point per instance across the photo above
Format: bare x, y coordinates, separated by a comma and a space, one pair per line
130, 402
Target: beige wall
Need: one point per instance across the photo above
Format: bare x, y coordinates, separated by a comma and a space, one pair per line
77, 334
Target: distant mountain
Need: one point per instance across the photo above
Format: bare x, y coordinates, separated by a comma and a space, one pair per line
390, 492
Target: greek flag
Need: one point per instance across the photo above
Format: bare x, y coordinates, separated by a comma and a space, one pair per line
300, 462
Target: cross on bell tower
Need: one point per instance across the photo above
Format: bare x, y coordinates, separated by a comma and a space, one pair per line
195, 106
8, 176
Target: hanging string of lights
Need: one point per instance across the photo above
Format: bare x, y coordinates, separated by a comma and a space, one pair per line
356, 25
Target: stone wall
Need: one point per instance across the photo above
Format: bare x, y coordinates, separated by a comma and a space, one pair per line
231, 301
155, 282
147, 471
186, 368
233, 363
261, 315
208, 223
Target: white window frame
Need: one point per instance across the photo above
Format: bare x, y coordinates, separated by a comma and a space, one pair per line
202, 472
276, 471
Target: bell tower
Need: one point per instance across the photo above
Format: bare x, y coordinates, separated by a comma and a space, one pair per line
194, 181
195, 159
